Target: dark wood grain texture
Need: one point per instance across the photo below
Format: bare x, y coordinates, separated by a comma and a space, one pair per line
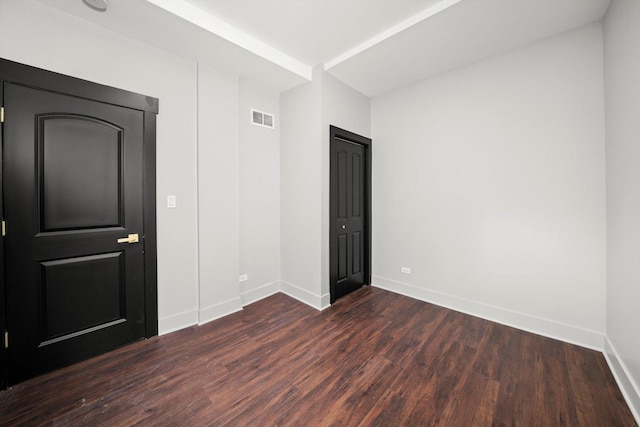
373, 358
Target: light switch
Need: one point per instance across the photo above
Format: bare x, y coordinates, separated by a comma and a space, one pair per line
171, 201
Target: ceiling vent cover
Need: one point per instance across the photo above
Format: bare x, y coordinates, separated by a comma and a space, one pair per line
260, 118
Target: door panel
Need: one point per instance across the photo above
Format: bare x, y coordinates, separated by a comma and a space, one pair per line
80, 169
69, 306
342, 183
356, 247
73, 185
349, 215
342, 257
357, 196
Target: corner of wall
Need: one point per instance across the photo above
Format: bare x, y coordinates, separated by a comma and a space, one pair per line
630, 390
621, 85
300, 184
319, 302
250, 295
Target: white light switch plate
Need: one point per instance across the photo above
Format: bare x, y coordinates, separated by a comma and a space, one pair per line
171, 201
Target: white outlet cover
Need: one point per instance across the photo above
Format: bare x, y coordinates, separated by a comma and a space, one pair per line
405, 270
244, 277
171, 201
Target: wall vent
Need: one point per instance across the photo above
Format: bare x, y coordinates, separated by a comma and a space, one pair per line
260, 118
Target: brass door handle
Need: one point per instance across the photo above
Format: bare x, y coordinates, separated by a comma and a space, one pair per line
131, 238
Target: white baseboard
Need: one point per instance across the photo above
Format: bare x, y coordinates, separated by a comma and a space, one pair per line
219, 310
325, 301
319, 302
198, 317
526, 322
249, 296
629, 388
177, 321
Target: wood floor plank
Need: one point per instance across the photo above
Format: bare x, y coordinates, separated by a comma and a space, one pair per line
366, 388
374, 358
472, 403
451, 369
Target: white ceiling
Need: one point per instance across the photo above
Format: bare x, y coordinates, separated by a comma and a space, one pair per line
373, 45
313, 31
154, 26
468, 31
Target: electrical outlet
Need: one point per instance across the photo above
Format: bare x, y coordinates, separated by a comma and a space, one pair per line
244, 277
405, 270
171, 201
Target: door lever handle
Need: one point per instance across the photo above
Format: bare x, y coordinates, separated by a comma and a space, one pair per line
131, 238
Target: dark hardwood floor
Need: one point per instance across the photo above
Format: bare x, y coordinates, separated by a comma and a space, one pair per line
373, 358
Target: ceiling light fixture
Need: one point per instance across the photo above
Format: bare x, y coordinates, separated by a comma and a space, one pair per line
99, 5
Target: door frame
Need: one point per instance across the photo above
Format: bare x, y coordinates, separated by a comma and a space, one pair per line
25, 75
337, 134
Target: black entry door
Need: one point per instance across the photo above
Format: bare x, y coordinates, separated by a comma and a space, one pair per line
350, 212
73, 198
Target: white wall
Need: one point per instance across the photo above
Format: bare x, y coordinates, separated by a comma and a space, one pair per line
300, 189
622, 107
218, 194
259, 195
35, 34
489, 183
